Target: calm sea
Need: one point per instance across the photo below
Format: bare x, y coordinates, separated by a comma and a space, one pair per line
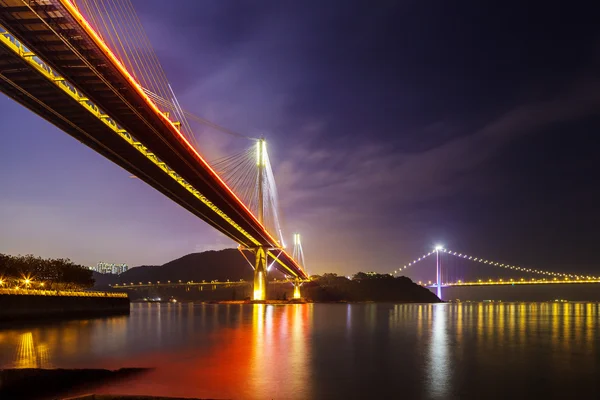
330, 351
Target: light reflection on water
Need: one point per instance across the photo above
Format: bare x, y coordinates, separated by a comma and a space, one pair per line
329, 350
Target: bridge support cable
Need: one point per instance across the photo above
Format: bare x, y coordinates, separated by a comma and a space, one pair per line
520, 269
117, 23
447, 273
298, 252
169, 104
241, 250
250, 176
412, 263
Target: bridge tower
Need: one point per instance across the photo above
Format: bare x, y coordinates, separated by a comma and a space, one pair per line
260, 269
438, 270
298, 255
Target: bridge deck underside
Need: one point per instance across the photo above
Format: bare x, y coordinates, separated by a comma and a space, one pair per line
47, 28
26, 86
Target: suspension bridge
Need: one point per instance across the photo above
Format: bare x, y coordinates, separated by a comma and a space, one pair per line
456, 269
88, 67
96, 77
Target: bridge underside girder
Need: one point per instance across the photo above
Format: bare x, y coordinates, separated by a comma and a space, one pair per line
32, 90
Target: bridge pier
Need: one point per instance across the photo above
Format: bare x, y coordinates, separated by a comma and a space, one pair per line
297, 284
260, 275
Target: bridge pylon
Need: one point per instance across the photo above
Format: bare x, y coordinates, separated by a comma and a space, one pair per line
438, 270
260, 270
297, 283
260, 275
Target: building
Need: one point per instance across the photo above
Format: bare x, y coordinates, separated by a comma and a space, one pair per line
108, 268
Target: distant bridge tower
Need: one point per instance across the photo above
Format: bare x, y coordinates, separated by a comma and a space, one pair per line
260, 270
298, 255
438, 270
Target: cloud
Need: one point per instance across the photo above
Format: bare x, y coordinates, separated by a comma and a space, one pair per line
370, 178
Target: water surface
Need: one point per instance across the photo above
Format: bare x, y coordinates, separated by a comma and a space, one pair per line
330, 351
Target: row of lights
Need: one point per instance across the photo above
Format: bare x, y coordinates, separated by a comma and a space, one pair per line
522, 280
511, 281
514, 267
410, 264
158, 282
496, 264
26, 281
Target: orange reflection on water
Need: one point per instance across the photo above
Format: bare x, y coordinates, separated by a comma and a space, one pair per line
31, 355
270, 355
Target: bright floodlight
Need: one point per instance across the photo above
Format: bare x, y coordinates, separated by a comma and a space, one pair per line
439, 247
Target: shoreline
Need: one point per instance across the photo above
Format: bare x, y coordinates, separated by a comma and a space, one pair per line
287, 302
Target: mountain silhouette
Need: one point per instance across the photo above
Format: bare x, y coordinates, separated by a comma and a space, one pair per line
211, 265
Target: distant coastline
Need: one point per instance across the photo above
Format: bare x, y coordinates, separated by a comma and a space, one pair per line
229, 266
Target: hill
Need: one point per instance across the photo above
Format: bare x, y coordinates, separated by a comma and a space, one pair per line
229, 264
209, 265
367, 287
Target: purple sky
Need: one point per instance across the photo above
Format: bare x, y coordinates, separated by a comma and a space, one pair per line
391, 127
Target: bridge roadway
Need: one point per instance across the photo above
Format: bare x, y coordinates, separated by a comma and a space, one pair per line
157, 284
53, 62
510, 282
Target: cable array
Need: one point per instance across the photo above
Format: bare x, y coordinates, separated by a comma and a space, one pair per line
241, 173
515, 267
497, 264
298, 252
168, 104
118, 24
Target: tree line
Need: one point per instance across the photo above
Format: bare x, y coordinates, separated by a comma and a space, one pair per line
366, 286
54, 273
